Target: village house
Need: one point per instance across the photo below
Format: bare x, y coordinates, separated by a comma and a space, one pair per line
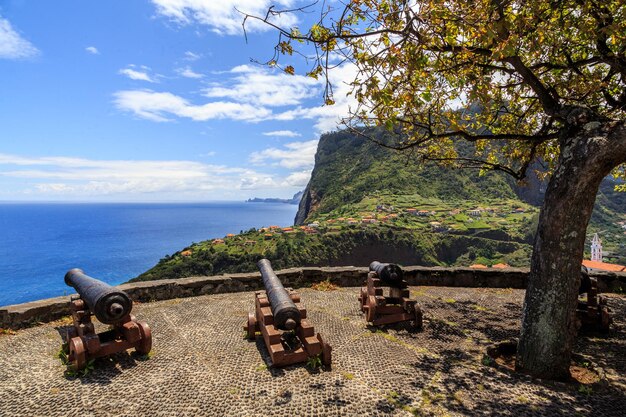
437, 227
500, 266
383, 207
475, 212
368, 220
218, 241
186, 252
423, 213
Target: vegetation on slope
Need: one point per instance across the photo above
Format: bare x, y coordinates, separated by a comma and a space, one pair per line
366, 202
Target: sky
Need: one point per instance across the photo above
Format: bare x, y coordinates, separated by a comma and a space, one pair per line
154, 100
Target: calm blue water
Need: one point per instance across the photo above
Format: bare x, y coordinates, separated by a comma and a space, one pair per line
39, 243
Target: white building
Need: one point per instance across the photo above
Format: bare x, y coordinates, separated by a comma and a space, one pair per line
596, 248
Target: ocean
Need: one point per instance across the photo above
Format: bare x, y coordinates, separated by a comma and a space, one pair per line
40, 242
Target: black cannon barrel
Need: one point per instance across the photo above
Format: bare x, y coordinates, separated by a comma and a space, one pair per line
286, 314
390, 273
108, 304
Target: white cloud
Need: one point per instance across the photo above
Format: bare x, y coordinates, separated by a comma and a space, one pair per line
298, 179
293, 155
259, 85
191, 56
222, 16
249, 95
284, 133
329, 117
12, 45
140, 74
85, 178
188, 73
155, 106
92, 50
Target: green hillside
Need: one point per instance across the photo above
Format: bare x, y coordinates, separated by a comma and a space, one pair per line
349, 168
367, 202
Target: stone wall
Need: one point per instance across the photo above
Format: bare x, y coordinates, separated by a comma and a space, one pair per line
21, 315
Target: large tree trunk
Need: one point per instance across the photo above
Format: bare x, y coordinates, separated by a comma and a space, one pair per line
549, 318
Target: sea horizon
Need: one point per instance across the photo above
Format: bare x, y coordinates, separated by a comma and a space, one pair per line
129, 201
111, 241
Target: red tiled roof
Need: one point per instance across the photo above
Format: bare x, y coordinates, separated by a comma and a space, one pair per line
500, 266
604, 266
478, 266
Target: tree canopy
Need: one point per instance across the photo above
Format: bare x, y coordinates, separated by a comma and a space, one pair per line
524, 81
508, 75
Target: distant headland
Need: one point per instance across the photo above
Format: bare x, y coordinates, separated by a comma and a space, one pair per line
294, 200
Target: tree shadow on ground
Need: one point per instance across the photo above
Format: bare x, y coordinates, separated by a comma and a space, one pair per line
456, 380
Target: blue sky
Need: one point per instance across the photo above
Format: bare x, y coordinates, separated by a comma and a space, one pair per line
152, 101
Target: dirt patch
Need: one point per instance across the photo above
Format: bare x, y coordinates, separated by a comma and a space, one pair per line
582, 371
324, 286
506, 361
584, 375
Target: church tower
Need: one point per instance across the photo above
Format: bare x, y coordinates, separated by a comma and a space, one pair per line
596, 248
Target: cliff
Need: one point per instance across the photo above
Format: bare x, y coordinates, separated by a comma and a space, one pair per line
349, 168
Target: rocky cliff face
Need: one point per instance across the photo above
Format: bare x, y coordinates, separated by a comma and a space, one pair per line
349, 167
304, 207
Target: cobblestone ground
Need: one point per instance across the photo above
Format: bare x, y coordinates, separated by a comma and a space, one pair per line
202, 365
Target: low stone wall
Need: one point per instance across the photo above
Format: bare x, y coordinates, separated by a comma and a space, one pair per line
20, 315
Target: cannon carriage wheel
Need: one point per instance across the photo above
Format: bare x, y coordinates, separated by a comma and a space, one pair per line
326, 351
370, 312
250, 328
417, 321
77, 354
363, 298
146, 338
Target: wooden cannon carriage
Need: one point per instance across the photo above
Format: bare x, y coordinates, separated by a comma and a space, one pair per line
282, 322
397, 306
111, 307
592, 313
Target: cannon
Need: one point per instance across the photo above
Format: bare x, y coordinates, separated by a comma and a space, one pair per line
393, 308
110, 306
592, 313
282, 321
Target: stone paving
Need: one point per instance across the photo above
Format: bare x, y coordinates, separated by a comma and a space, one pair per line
202, 364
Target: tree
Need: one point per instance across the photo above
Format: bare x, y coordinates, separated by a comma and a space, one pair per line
544, 81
